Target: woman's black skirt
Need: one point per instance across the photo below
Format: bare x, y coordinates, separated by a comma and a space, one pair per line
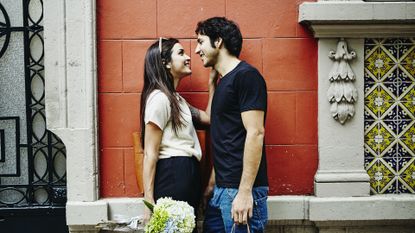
179, 178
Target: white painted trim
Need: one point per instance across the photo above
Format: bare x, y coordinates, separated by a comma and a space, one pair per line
358, 19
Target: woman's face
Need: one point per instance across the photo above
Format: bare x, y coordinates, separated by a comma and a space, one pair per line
180, 63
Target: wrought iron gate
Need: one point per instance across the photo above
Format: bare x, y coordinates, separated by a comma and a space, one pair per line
32, 159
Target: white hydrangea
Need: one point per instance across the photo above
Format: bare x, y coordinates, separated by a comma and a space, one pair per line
181, 218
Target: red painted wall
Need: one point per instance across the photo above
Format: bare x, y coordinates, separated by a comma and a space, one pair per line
274, 42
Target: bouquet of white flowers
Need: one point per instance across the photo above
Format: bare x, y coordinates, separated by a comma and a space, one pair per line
170, 216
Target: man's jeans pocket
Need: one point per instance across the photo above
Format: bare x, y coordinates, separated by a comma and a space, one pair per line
260, 211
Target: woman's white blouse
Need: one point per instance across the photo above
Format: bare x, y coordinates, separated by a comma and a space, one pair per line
185, 143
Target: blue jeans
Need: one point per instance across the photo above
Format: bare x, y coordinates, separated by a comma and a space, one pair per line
218, 217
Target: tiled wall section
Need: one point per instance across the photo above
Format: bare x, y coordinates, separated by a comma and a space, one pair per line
275, 43
390, 115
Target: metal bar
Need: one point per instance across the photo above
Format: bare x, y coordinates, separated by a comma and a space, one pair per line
39, 210
17, 128
3, 146
50, 163
30, 198
17, 147
26, 186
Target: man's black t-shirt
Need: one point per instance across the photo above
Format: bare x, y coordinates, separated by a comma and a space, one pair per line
242, 89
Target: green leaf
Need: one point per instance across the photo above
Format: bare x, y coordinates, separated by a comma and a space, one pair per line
149, 205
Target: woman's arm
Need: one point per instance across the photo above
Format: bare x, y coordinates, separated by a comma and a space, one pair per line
198, 115
152, 140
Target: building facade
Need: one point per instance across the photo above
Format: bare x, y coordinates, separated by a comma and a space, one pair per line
340, 129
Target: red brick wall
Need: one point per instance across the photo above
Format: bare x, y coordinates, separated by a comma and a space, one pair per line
274, 42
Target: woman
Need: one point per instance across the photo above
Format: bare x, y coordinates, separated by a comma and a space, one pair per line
171, 148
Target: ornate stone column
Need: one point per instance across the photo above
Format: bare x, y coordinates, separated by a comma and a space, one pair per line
341, 154
341, 182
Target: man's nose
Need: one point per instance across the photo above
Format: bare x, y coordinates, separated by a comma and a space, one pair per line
197, 50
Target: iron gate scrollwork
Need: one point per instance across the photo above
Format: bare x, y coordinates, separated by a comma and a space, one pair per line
32, 159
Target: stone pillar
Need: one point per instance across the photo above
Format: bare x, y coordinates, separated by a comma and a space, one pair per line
341, 152
71, 104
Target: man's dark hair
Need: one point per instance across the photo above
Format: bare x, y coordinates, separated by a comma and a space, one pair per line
221, 27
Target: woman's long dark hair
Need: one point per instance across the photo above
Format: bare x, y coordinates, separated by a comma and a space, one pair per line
157, 76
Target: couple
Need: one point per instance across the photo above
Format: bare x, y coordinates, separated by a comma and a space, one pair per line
238, 187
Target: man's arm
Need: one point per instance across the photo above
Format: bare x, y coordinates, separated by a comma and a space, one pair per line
209, 189
242, 205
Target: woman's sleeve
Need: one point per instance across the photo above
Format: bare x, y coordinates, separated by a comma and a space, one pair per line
158, 110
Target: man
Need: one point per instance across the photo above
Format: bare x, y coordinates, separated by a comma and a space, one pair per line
239, 179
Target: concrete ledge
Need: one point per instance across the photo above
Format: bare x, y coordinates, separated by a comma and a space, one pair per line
381, 207
83, 229
124, 207
86, 213
358, 19
288, 207
357, 12
282, 209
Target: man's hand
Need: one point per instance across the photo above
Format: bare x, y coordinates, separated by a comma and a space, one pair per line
209, 190
242, 207
206, 196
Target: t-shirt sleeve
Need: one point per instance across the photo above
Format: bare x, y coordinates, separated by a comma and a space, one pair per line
252, 91
158, 110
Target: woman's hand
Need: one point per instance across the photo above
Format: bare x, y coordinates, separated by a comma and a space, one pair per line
147, 214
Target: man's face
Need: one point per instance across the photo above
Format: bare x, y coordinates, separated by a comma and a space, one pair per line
207, 53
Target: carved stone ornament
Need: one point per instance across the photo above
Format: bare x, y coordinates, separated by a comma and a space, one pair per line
342, 94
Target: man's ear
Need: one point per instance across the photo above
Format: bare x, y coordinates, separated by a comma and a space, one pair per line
219, 43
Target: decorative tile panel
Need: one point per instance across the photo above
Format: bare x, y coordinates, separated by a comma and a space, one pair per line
390, 114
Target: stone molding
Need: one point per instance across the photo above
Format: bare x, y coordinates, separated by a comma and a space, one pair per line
342, 93
341, 171
358, 19
70, 89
